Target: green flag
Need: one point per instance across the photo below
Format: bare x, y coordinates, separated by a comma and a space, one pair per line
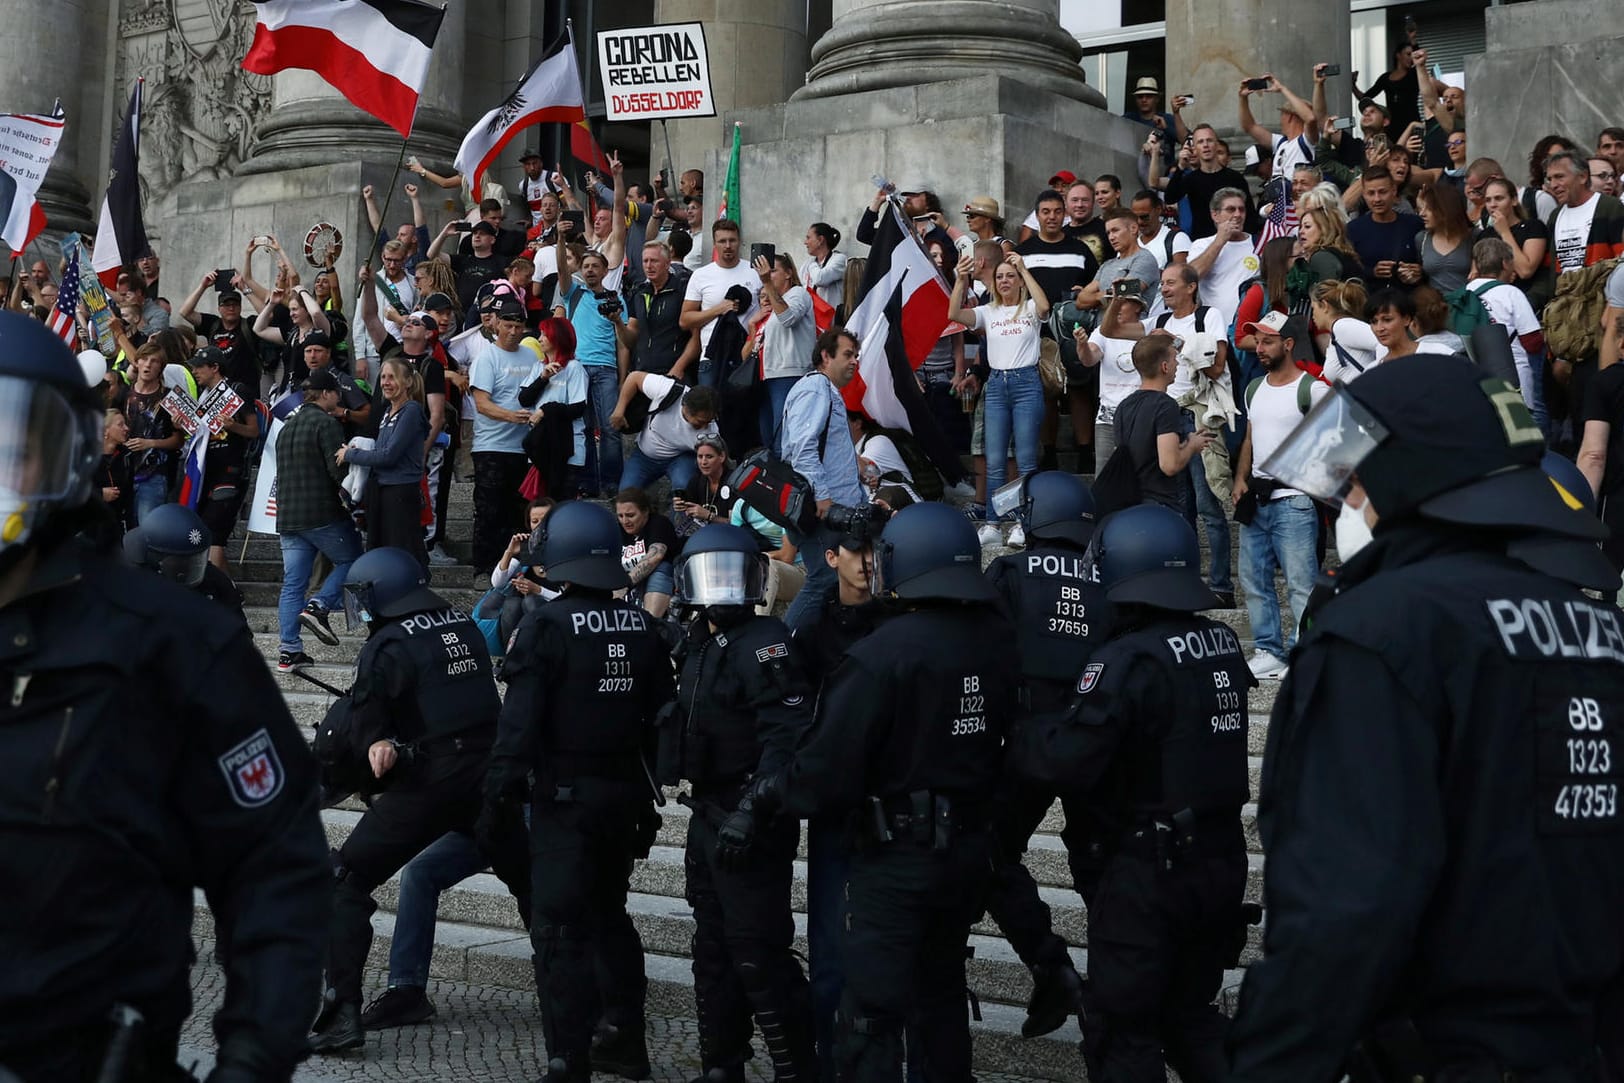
730, 190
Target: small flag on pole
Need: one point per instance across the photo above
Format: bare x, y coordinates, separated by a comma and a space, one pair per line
191, 481
65, 313
374, 52
729, 207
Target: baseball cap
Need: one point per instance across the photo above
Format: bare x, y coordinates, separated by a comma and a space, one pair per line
529, 153
227, 295
209, 355
418, 316
1272, 324
1372, 103
483, 226
438, 302
986, 205
321, 380
508, 309
317, 338
1147, 85
1064, 176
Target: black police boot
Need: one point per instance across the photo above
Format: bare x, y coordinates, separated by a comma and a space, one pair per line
733, 1073
621, 1051
1056, 996
343, 1030
567, 1070
398, 1006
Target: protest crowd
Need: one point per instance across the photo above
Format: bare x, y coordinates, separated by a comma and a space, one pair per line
663, 425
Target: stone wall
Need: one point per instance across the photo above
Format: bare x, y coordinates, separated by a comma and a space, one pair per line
1534, 79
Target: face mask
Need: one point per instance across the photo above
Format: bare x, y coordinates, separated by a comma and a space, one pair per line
1352, 532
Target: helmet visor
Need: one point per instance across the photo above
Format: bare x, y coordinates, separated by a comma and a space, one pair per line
721, 578
42, 447
1007, 498
1322, 453
183, 568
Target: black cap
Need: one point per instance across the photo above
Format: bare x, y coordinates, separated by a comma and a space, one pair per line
1462, 448
508, 309
484, 227
317, 338
740, 294
321, 380
227, 295
529, 153
438, 302
209, 355
1372, 103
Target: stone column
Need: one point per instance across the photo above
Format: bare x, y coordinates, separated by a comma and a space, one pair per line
1213, 44
312, 124
40, 55
757, 54
879, 44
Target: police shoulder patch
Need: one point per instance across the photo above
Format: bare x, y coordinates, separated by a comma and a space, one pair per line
1090, 677
776, 650
253, 771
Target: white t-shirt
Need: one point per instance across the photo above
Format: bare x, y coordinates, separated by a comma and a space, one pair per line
1118, 377
709, 286
1572, 234
698, 255
1185, 327
1012, 334
882, 452
667, 433
532, 191
1510, 308
1157, 245
1356, 337
546, 261
1236, 263
1290, 153
1272, 415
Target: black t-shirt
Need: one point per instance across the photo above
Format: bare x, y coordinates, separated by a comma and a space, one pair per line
240, 346
1199, 188
1059, 266
473, 272
1403, 100
228, 451
148, 420
700, 491
657, 531
1092, 233
1140, 418
1540, 286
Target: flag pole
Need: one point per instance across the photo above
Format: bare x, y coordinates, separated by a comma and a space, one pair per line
670, 159
394, 177
16, 281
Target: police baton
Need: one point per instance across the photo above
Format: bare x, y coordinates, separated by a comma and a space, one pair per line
119, 1062
321, 684
659, 794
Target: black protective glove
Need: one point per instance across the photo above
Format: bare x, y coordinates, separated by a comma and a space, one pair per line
736, 835
501, 814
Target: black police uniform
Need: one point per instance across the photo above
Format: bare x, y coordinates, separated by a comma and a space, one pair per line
910, 733
143, 759
424, 680
219, 587
586, 676
1052, 595
1440, 810
1158, 724
742, 705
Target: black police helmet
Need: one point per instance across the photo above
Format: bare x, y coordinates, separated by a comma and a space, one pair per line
1149, 555
173, 541
579, 543
930, 551
389, 582
1461, 448
50, 431
1058, 505
721, 565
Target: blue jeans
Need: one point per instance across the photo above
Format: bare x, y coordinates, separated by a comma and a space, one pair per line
1211, 511
150, 493
1533, 381
339, 543
821, 580
640, 470
774, 393
444, 863
1014, 406
1281, 536
603, 456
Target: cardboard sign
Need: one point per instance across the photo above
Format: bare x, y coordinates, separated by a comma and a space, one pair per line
218, 406
655, 72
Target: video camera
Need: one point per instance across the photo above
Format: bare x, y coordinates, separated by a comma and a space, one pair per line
608, 305
862, 523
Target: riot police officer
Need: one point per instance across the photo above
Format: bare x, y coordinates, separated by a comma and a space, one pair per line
1061, 615
742, 705
586, 676
1439, 805
174, 542
909, 732
1157, 727
146, 751
423, 713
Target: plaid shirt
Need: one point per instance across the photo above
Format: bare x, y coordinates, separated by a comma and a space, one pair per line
307, 472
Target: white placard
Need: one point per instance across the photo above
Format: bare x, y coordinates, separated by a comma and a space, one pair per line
655, 72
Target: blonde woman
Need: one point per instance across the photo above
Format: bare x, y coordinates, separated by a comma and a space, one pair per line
393, 498
1323, 241
1349, 345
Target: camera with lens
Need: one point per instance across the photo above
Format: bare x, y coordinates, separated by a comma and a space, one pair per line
862, 523
608, 305
666, 207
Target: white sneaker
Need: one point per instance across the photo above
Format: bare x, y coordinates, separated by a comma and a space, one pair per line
1266, 667
960, 493
440, 558
988, 535
1017, 536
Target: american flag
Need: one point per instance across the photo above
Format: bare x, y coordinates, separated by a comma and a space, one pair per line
65, 315
1281, 220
